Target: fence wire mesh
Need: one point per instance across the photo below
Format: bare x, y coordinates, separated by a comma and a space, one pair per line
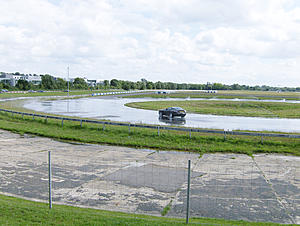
230, 186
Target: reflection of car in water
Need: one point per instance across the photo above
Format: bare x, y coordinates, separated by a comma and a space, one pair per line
172, 112
173, 121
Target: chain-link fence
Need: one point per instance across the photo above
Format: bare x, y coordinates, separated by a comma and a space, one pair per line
230, 186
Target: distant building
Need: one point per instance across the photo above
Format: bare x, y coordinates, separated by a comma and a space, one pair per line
93, 82
34, 79
7, 78
12, 79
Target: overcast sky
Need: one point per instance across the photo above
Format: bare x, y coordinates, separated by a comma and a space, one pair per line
250, 42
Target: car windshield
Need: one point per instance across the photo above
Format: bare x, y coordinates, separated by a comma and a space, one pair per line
175, 108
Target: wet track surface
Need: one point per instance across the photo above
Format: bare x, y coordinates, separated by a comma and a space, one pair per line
113, 108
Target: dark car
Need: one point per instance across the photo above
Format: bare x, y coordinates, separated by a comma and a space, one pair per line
172, 112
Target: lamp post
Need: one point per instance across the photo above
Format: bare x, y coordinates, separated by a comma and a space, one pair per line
68, 82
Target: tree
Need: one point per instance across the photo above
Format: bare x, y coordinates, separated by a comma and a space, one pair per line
48, 82
132, 85
149, 85
23, 85
126, 85
115, 83
106, 84
217, 86
158, 85
61, 84
79, 83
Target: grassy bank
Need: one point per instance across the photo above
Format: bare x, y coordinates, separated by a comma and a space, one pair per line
15, 211
53, 93
245, 108
224, 94
148, 138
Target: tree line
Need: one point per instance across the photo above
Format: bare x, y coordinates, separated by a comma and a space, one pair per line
51, 83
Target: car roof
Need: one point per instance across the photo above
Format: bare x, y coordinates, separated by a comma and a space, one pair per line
175, 108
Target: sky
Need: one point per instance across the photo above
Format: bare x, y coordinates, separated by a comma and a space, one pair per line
250, 42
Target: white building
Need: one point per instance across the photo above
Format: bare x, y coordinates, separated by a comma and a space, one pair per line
93, 82
12, 79
34, 79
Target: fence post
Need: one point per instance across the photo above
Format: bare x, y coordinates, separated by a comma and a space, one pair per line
262, 140
62, 122
33, 116
158, 130
22, 116
81, 123
129, 128
50, 182
224, 134
188, 193
103, 127
46, 119
190, 133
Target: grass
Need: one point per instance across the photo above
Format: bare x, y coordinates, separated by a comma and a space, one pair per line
16, 211
243, 108
148, 138
53, 93
167, 208
225, 94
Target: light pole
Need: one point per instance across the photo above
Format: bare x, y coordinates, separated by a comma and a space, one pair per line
68, 82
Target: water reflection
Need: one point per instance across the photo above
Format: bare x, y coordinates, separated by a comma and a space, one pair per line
173, 121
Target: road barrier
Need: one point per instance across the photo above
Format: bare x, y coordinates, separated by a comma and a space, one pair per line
114, 93
158, 128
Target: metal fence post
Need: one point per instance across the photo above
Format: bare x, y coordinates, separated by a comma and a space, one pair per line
62, 122
129, 128
46, 119
50, 178
262, 140
188, 193
224, 134
103, 127
33, 117
190, 133
22, 116
81, 123
158, 130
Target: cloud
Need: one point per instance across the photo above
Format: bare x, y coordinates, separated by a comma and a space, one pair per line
225, 41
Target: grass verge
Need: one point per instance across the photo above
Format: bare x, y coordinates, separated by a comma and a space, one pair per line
55, 93
225, 94
243, 108
16, 211
148, 138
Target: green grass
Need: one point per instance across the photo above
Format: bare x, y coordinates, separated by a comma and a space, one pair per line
243, 108
224, 94
167, 208
16, 211
148, 138
53, 93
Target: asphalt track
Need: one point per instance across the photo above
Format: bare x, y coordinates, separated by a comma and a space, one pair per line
112, 108
230, 186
